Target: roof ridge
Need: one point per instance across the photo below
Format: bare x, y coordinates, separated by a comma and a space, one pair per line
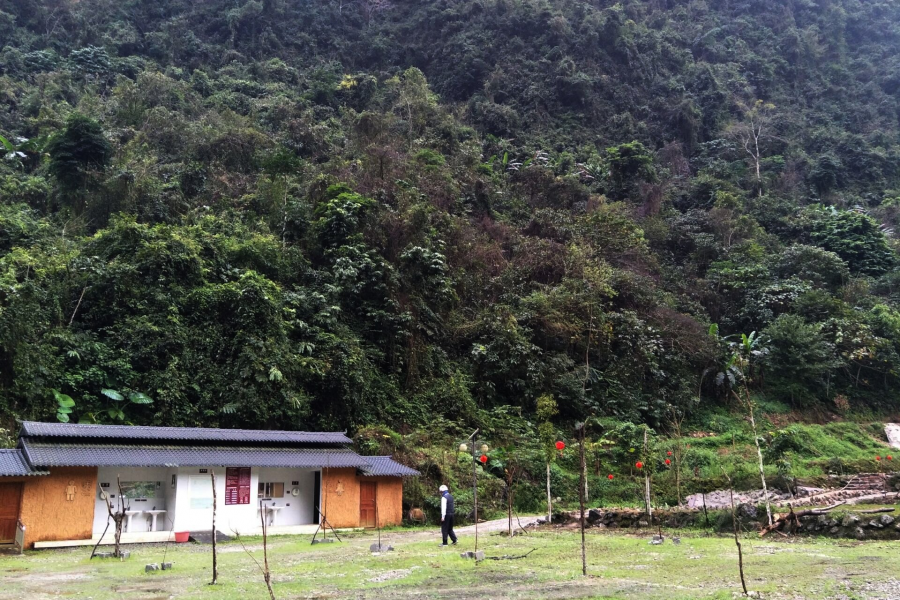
176, 427
37, 429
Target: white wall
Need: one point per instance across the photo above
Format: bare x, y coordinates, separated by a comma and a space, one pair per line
298, 510
184, 515
125, 474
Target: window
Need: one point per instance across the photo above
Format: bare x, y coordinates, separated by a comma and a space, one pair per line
271, 490
141, 490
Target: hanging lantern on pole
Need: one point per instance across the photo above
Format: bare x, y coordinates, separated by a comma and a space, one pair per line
484, 448
483, 459
463, 448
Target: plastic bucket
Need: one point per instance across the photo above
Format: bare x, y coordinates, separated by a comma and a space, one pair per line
182, 536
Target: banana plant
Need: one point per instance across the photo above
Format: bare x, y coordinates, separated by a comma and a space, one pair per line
18, 150
13, 153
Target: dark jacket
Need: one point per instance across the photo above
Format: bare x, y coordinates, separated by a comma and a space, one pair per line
451, 509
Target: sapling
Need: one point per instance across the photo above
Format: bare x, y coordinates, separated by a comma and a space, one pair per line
264, 567
737, 541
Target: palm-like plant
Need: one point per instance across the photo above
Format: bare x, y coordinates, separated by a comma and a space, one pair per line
736, 373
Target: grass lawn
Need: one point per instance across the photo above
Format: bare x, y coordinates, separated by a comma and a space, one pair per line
620, 566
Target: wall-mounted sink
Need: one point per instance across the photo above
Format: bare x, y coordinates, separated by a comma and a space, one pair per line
153, 515
130, 514
273, 510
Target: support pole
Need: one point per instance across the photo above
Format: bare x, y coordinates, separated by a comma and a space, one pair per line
581, 497
475, 485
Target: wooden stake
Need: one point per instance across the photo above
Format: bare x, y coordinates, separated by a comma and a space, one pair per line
581, 494
215, 556
475, 485
549, 500
647, 481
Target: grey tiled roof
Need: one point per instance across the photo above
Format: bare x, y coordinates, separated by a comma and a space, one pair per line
54, 454
179, 434
13, 464
385, 466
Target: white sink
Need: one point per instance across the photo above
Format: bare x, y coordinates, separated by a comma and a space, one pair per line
130, 514
273, 510
153, 515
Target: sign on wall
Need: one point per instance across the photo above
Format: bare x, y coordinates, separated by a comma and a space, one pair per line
201, 492
237, 485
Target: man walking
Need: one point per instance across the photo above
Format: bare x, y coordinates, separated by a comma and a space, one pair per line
447, 513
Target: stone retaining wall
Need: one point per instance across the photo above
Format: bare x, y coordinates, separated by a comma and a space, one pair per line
837, 524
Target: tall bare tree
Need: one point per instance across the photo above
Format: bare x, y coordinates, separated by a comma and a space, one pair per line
749, 133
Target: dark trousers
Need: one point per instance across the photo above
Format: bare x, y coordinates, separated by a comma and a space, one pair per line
447, 529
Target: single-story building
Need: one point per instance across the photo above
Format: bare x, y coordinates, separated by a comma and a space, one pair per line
55, 484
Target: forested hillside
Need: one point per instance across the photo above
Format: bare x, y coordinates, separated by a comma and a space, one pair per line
333, 214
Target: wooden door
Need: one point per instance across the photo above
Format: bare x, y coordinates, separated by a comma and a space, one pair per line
10, 495
367, 504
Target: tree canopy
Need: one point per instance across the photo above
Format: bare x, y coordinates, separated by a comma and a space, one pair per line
340, 214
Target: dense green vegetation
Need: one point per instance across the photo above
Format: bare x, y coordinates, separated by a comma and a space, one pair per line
345, 214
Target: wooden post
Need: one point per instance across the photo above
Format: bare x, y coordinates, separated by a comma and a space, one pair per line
549, 500
215, 565
647, 481
475, 485
508, 509
581, 495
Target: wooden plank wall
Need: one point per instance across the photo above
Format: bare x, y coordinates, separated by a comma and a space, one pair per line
59, 506
389, 496
340, 497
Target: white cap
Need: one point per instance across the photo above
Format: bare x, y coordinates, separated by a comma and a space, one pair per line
443, 488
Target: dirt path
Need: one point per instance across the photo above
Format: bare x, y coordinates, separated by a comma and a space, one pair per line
435, 532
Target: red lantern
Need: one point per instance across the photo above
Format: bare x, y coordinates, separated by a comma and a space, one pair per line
610, 476
639, 465
483, 459
560, 445
669, 453
668, 462
877, 458
889, 457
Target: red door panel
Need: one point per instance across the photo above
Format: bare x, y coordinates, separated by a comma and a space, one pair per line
367, 504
